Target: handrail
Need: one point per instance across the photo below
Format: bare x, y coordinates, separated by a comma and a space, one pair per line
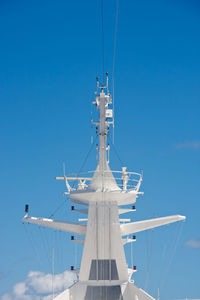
126, 182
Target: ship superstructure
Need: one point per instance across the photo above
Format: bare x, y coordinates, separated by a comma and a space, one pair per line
106, 195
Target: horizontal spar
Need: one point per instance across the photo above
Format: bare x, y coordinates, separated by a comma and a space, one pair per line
134, 227
74, 178
59, 225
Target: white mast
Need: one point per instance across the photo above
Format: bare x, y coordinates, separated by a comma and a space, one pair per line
104, 274
103, 101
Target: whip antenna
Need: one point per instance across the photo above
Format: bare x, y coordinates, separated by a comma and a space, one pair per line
113, 68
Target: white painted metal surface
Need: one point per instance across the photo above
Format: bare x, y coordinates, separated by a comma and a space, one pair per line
59, 225
104, 274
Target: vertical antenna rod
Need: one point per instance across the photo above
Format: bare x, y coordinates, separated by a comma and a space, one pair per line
102, 29
113, 68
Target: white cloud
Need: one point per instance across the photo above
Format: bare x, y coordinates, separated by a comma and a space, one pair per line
195, 145
193, 243
38, 286
20, 288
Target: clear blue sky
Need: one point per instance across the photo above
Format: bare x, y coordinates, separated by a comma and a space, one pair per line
50, 54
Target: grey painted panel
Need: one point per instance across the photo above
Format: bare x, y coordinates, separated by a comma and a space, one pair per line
103, 293
103, 269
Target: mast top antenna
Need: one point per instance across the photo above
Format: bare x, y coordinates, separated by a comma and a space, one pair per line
102, 86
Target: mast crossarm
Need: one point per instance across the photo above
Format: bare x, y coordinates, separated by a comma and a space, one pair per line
74, 178
59, 225
148, 224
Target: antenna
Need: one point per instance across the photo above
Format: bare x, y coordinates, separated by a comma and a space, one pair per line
97, 79
26, 211
158, 298
113, 68
107, 81
53, 268
64, 169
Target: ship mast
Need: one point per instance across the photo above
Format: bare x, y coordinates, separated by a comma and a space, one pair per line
103, 102
103, 272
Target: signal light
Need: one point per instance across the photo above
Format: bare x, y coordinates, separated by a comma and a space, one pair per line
133, 207
72, 268
26, 208
72, 207
134, 268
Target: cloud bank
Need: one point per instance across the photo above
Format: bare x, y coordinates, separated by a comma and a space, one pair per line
38, 286
193, 244
195, 145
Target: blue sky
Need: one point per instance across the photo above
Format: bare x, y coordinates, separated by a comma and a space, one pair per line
50, 54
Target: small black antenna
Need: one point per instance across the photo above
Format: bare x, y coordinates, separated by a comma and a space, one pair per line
26, 208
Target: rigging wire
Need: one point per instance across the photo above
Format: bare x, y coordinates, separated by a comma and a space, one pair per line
53, 263
116, 152
60, 249
39, 243
57, 209
77, 174
102, 32
149, 242
115, 41
113, 67
34, 248
85, 160
178, 235
45, 243
165, 252
149, 208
